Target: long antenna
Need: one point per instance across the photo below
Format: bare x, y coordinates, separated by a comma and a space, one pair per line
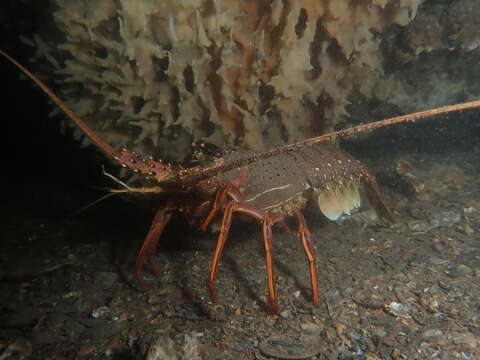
97, 140
200, 173
212, 171
375, 125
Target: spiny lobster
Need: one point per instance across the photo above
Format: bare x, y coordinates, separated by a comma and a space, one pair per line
266, 186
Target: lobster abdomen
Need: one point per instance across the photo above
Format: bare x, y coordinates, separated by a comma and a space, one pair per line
283, 183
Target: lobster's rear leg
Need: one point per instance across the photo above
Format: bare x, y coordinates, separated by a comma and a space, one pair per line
375, 196
236, 204
305, 238
161, 219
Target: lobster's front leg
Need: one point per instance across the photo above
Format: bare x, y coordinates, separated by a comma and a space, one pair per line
219, 202
235, 199
149, 246
236, 204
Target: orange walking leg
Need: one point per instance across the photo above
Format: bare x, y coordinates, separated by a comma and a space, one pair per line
149, 246
305, 238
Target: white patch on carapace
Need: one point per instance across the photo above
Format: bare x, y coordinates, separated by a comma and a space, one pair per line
269, 190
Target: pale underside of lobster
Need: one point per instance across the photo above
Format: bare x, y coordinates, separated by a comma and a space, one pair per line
266, 186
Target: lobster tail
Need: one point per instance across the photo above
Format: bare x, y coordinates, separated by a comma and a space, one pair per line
340, 201
342, 184
376, 199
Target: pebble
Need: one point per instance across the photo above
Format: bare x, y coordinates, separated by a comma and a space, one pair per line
291, 346
418, 225
99, 312
432, 333
398, 310
106, 279
18, 349
445, 218
311, 328
460, 270
286, 314
467, 229
400, 277
437, 219
465, 338
438, 261
162, 349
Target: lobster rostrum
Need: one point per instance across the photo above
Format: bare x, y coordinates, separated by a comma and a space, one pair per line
266, 186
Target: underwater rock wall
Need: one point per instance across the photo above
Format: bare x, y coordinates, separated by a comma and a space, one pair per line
436, 58
155, 75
